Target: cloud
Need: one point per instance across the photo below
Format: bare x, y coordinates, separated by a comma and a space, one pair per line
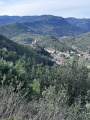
64, 8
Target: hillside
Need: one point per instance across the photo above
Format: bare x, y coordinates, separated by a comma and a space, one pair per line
12, 29
84, 24
23, 35
81, 42
48, 24
10, 46
55, 26
44, 41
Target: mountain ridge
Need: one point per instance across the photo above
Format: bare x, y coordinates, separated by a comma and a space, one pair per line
48, 24
83, 23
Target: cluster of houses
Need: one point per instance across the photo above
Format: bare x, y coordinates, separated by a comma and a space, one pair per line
62, 55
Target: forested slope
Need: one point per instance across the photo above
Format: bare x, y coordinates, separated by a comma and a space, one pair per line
32, 87
81, 42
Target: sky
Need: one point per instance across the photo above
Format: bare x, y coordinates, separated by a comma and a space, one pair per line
63, 8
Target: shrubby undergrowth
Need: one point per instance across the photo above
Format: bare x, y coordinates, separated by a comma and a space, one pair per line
52, 106
33, 91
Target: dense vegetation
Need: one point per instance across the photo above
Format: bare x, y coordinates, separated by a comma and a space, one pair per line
81, 42
70, 83
13, 29
44, 41
26, 36
54, 26
46, 24
32, 86
16, 49
40, 88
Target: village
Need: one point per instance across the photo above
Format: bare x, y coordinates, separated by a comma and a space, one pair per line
63, 57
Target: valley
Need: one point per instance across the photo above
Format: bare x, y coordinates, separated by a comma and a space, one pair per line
24, 31
44, 68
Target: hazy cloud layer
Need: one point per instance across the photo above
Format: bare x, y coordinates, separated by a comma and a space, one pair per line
64, 8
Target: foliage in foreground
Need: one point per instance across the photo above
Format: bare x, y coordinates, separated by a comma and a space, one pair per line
51, 106
43, 92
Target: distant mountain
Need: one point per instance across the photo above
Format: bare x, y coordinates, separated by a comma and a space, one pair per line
84, 24
81, 42
9, 19
55, 26
46, 24
12, 29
